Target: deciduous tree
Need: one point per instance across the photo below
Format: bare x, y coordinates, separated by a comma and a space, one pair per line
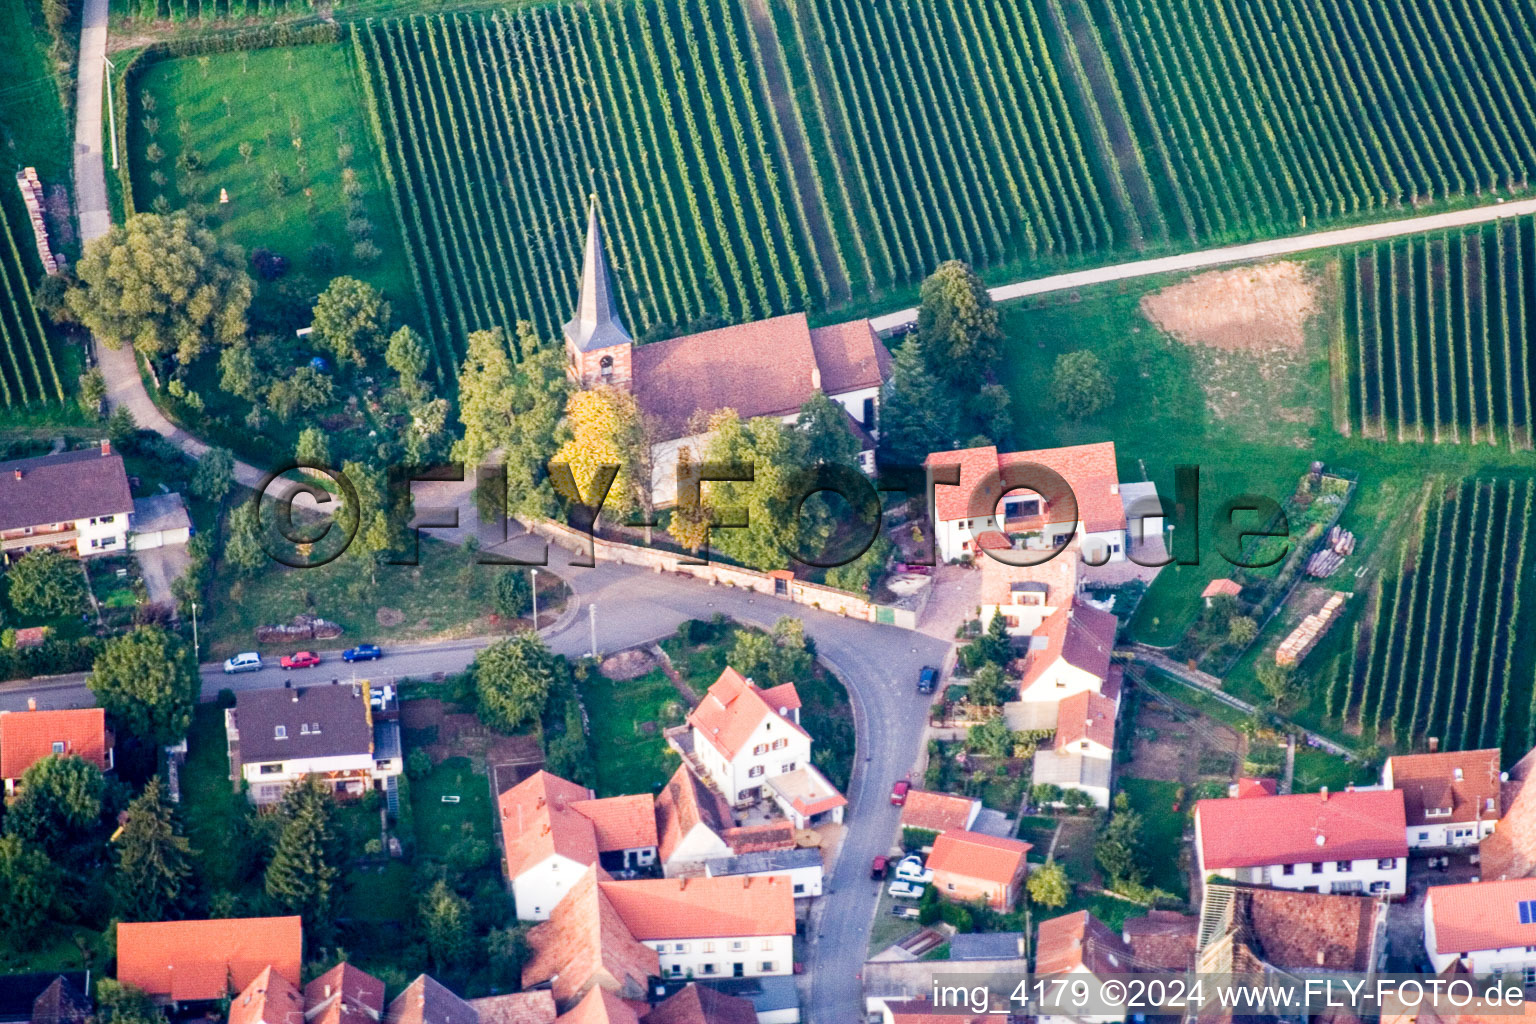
214, 475
774, 530
512, 680
1048, 886
302, 390
60, 804
312, 448
46, 583
608, 429
957, 325
408, 356
117, 1003
514, 593
29, 885
147, 684
445, 925
164, 285
351, 319
1080, 385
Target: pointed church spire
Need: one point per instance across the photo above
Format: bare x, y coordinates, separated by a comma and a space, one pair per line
596, 323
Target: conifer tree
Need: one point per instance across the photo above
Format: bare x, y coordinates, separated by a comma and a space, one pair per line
153, 859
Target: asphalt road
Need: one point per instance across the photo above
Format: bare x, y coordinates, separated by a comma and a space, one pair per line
878, 664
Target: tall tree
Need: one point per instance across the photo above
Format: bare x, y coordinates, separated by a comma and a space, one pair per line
214, 475
30, 884
154, 860
117, 1003
312, 448
164, 285
774, 529
147, 683
608, 429
44, 582
513, 678
918, 415
242, 539
957, 325
829, 438
446, 927
60, 804
351, 319
379, 516
1048, 886
408, 356
302, 877
1118, 850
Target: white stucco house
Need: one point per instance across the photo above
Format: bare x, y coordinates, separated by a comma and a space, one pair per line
76, 502
1485, 927
765, 368
553, 830
734, 927
751, 745
278, 737
1034, 502
1344, 843
1451, 799
1079, 947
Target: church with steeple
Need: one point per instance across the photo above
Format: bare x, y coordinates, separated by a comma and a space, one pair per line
764, 368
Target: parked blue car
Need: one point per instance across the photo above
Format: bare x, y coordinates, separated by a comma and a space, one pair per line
362, 652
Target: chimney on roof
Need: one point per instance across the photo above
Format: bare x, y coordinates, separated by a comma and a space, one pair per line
18, 474
1323, 793
31, 703
106, 446
295, 696
1434, 744
1114, 488
1321, 959
327, 991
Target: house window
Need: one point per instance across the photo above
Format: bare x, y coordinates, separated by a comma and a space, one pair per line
1379, 887
1387, 863
679, 947
1288, 869
709, 968
767, 944
737, 945
780, 744
605, 366
272, 769
755, 771
661, 947
1344, 865
868, 419
950, 887
1083, 745
108, 519
1317, 867
709, 947
800, 889
676, 970
58, 746
761, 748
1423, 837
280, 732
1530, 975
789, 766
768, 967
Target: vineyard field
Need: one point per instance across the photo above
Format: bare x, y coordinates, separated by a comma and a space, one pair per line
497, 126
1440, 335
27, 371
1438, 654
1263, 117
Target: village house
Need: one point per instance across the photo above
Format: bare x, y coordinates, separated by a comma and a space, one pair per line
696, 826
1451, 799
46, 997
1070, 653
278, 737
801, 865
1163, 940
1079, 946
1258, 930
27, 737
749, 743
344, 995
1082, 755
76, 502
700, 1004
427, 1001
198, 961
994, 497
926, 811
585, 943
1352, 842
553, 830
1026, 595
1483, 928
765, 368
975, 866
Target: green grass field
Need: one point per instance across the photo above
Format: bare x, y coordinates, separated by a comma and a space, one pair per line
295, 108
439, 825
1162, 836
627, 718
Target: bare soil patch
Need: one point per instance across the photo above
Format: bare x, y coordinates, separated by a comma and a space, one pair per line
1257, 308
389, 617
630, 664
444, 732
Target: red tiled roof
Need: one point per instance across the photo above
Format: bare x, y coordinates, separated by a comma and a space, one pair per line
699, 1004
851, 357
937, 812
63, 487
1085, 716
536, 1007
1071, 941
731, 711
1248, 788
782, 696
921, 1011
27, 737
770, 835
704, 908
344, 995
1220, 588
1481, 915
586, 939
1511, 851
270, 998
683, 803
1164, 938
1089, 469
1302, 827
1429, 781
1079, 634
1310, 930
599, 1006
195, 960
538, 818
428, 1001
977, 855
621, 822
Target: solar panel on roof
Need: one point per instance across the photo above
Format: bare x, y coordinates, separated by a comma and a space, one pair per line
1528, 911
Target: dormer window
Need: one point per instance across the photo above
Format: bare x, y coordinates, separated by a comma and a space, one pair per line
1437, 812
280, 732
58, 746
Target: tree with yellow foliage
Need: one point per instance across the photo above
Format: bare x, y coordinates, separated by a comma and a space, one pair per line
607, 429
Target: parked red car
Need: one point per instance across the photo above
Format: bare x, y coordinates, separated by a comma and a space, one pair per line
899, 792
877, 869
300, 659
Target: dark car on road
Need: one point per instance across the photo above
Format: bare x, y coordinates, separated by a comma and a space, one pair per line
927, 679
362, 652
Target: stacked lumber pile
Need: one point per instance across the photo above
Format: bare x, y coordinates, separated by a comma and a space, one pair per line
1302, 639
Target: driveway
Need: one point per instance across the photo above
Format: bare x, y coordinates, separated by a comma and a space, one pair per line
158, 567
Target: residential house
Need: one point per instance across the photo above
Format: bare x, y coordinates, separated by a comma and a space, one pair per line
700, 1004
344, 995
1163, 940
1483, 928
270, 998
1026, 595
1006, 493
710, 927
776, 998
278, 737
986, 945
765, 368
1510, 852
1079, 946
801, 865
46, 997
27, 737
76, 502
536, 1007
599, 1006
897, 983
1451, 799
193, 961
750, 744
690, 817
1247, 929
1070, 653
1349, 842
974, 866
427, 1001
586, 943
1082, 755
552, 830
927, 811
